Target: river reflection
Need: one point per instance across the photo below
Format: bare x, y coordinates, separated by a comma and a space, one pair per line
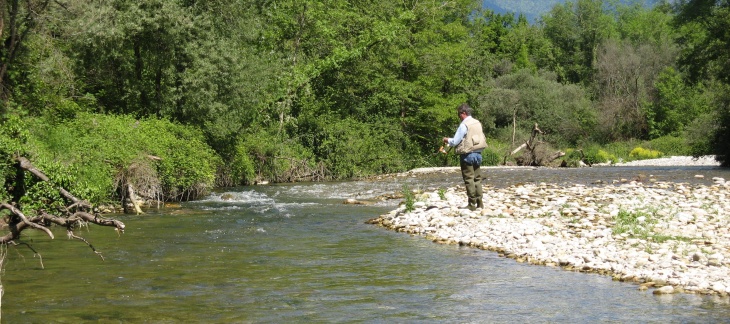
295, 253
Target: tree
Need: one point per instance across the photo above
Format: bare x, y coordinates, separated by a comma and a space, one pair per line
704, 42
576, 30
69, 211
676, 106
563, 111
704, 39
624, 86
397, 63
18, 20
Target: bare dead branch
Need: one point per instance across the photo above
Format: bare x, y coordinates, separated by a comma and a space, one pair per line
40, 257
100, 220
24, 219
76, 213
518, 149
74, 236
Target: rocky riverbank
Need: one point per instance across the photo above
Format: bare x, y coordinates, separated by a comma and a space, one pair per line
669, 237
708, 160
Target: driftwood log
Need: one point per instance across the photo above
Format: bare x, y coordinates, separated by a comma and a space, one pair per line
533, 156
76, 212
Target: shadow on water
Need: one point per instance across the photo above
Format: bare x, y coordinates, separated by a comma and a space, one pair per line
295, 253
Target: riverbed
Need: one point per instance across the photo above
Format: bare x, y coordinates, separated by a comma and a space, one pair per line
296, 253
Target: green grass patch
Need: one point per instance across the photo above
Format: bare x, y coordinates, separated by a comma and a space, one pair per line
634, 223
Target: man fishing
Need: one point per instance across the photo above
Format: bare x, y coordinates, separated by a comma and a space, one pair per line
469, 141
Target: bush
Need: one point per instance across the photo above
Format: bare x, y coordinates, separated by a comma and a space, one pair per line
98, 153
276, 159
490, 157
700, 133
563, 111
351, 149
622, 149
640, 153
720, 140
670, 145
591, 155
241, 169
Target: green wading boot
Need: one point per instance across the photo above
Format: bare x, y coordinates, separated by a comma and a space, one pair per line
480, 203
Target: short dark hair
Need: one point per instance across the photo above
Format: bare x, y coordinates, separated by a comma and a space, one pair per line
464, 108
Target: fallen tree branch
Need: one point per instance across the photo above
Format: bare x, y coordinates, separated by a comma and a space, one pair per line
518, 149
26, 165
24, 219
40, 257
74, 214
82, 216
74, 236
133, 199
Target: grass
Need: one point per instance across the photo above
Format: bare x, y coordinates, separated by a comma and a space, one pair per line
632, 223
409, 198
442, 193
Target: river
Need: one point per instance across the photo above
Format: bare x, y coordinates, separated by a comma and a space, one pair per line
296, 253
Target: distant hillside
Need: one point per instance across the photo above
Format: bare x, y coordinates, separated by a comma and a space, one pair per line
532, 9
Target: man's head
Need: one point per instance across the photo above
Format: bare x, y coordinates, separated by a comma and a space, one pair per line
464, 110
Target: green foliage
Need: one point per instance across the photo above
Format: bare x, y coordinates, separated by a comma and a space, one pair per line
703, 28
242, 167
563, 112
593, 154
676, 106
670, 145
637, 223
97, 148
442, 193
13, 142
310, 90
491, 157
275, 158
353, 149
640, 153
641, 26
700, 134
576, 28
409, 198
720, 141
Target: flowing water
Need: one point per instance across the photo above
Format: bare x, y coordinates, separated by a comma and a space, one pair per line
296, 253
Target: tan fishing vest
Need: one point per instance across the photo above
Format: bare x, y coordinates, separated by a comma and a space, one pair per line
474, 139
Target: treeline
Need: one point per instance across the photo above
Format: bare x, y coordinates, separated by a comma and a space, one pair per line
177, 96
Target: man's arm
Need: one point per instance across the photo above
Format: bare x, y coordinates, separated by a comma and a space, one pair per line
460, 133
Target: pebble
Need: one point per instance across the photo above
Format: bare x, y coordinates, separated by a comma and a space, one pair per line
674, 236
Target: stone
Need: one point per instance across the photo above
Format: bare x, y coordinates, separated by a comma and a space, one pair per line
573, 226
664, 290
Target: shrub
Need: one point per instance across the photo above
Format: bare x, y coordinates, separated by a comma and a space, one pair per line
700, 133
351, 149
276, 159
490, 157
409, 198
591, 155
640, 153
93, 150
241, 168
621, 149
670, 145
